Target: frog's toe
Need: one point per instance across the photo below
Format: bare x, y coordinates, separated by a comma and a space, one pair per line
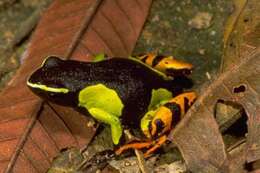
158, 144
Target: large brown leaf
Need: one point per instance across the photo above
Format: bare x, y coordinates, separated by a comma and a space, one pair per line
198, 136
32, 133
242, 32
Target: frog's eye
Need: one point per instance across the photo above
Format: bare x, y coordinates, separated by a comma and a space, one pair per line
51, 61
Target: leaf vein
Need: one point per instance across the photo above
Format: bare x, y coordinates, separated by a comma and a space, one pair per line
117, 33
102, 40
65, 124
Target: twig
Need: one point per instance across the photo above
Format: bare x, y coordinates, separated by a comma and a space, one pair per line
139, 155
86, 22
24, 137
26, 28
237, 146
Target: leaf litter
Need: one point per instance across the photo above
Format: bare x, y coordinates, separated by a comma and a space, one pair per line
199, 125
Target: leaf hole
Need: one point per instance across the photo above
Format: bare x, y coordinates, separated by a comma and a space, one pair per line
231, 44
239, 128
248, 166
239, 89
252, 166
246, 20
232, 120
63, 150
220, 101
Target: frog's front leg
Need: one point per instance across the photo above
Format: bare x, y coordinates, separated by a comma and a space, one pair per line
105, 106
107, 118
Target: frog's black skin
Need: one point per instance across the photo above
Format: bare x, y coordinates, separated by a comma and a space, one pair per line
133, 81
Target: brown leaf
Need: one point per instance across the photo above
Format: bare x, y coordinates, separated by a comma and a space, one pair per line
242, 31
232, 19
237, 158
198, 136
67, 161
32, 133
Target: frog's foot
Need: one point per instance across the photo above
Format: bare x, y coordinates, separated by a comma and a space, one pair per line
158, 144
150, 145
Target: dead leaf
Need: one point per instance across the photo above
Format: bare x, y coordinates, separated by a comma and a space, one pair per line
32, 133
232, 19
198, 136
242, 32
237, 158
67, 161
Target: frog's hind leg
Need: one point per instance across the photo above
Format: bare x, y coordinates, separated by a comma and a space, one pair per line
135, 145
150, 145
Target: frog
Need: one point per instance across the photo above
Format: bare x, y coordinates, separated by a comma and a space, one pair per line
119, 92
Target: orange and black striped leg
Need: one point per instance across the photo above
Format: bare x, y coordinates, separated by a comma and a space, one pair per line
158, 143
136, 145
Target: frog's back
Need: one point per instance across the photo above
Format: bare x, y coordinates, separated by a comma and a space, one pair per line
115, 73
123, 70
132, 81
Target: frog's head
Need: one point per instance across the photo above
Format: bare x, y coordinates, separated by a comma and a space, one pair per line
50, 82
173, 67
